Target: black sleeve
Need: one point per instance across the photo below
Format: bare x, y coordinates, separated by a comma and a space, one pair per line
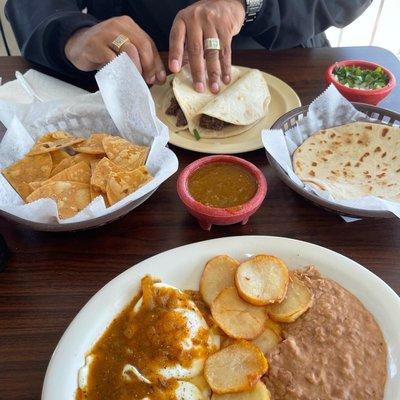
289, 23
42, 28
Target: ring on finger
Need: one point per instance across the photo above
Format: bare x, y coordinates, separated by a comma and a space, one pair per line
212, 44
118, 42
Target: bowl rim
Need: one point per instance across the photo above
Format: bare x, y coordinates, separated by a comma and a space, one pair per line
366, 92
228, 212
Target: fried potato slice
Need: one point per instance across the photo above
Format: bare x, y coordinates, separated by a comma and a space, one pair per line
200, 382
262, 280
267, 340
237, 318
124, 153
77, 173
297, 301
235, 368
274, 326
70, 161
92, 145
53, 145
71, 197
258, 392
101, 173
218, 274
27, 170
123, 184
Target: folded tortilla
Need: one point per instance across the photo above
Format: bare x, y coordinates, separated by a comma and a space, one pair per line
241, 104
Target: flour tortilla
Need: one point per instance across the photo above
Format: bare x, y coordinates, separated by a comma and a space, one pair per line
352, 161
242, 103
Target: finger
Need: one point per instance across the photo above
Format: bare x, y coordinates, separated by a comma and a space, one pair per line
130, 49
146, 53
225, 58
176, 45
161, 75
212, 62
196, 57
106, 56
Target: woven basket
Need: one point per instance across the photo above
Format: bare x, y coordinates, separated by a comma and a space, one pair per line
289, 120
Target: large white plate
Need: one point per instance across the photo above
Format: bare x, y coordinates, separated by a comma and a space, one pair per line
283, 99
182, 267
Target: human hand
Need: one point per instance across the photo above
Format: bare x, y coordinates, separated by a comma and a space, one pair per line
91, 48
204, 19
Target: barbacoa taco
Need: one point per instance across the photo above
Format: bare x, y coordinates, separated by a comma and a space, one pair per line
235, 109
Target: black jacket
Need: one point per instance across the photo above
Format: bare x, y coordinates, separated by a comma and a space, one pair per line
42, 27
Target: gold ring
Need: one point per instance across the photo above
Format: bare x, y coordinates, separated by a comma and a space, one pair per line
118, 42
212, 44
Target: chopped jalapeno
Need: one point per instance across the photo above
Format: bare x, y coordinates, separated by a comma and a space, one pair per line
361, 78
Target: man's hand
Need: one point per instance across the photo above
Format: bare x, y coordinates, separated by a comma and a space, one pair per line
91, 48
204, 19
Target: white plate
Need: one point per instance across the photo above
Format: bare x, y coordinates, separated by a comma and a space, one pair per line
182, 267
283, 99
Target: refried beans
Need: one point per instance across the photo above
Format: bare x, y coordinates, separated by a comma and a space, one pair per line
335, 351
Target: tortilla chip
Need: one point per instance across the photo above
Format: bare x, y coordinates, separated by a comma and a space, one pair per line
69, 162
124, 183
53, 136
57, 156
71, 197
102, 173
95, 192
26, 170
93, 145
77, 173
35, 185
53, 145
124, 153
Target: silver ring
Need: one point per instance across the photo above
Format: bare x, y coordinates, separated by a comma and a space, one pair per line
212, 44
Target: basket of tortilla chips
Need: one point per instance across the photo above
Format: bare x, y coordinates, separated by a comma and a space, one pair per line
86, 161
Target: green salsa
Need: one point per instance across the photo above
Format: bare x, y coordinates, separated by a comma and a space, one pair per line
361, 78
222, 185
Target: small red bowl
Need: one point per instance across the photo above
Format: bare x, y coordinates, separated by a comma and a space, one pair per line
373, 96
208, 216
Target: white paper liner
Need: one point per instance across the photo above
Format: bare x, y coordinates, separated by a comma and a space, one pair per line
123, 106
328, 110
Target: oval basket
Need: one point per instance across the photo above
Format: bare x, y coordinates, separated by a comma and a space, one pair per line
289, 120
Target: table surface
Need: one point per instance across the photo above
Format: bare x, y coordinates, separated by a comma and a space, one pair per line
49, 276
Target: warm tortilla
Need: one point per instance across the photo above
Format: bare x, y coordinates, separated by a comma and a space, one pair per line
242, 103
352, 161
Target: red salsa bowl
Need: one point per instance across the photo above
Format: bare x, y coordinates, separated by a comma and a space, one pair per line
209, 215
369, 96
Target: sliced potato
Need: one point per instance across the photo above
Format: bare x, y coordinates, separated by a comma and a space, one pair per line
237, 318
200, 382
267, 340
262, 280
218, 274
235, 368
297, 301
274, 326
258, 392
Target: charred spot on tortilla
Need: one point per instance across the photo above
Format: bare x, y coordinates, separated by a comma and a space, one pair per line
212, 123
175, 110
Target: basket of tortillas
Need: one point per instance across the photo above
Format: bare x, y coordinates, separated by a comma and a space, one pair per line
342, 156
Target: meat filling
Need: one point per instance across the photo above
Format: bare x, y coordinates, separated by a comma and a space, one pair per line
175, 109
212, 123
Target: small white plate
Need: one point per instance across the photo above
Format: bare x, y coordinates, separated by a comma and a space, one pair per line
183, 266
283, 99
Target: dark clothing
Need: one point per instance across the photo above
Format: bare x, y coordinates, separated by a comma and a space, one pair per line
42, 27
